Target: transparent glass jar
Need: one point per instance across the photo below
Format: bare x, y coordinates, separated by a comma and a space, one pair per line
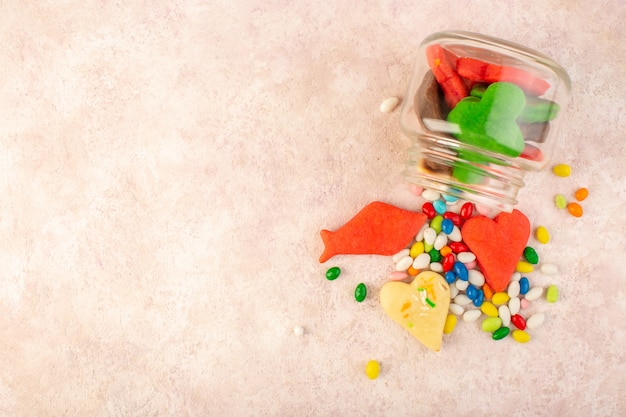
480, 113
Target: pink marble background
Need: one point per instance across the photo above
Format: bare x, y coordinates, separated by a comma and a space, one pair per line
166, 166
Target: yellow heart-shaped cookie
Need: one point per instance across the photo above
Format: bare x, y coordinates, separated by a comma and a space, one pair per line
420, 307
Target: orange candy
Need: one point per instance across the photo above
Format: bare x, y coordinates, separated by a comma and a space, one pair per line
446, 250
487, 291
581, 194
575, 209
412, 271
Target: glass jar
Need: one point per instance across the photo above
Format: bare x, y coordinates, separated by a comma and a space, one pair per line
480, 113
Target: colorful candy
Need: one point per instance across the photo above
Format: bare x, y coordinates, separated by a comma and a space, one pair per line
552, 294
524, 267
518, 321
560, 201
562, 170
531, 255
542, 235
505, 315
524, 285
450, 324
489, 309
491, 324
535, 320
581, 194
575, 209
520, 336
549, 269
471, 315
534, 293
360, 292
500, 298
333, 273
372, 369
501, 333
389, 104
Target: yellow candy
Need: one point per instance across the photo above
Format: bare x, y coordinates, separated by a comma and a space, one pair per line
500, 298
489, 309
416, 249
372, 369
542, 235
520, 336
450, 324
562, 170
524, 267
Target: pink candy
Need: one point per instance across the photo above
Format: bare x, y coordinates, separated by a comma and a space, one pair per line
524, 303
416, 189
398, 275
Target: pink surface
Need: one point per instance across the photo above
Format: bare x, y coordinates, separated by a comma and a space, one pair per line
165, 169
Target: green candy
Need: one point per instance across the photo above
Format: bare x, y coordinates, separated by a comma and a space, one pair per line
435, 256
360, 292
560, 201
501, 333
435, 223
531, 255
552, 294
333, 273
491, 324
488, 123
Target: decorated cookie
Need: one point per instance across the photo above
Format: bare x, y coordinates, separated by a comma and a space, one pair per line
378, 229
420, 307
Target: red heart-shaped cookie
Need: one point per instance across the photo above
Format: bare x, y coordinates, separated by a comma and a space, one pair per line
498, 245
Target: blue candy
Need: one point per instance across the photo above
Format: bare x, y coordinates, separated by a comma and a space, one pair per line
471, 292
447, 226
440, 206
450, 198
480, 298
460, 270
524, 285
450, 277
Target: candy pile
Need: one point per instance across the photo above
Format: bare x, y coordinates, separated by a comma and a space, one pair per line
575, 209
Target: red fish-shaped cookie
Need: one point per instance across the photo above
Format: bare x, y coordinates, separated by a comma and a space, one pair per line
378, 229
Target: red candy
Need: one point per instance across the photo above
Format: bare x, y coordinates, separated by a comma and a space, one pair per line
458, 247
441, 63
466, 211
448, 262
453, 217
518, 321
429, 210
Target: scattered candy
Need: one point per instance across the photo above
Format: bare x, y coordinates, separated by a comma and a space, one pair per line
534, 293
360, 292
581, 194
462, 300
491, 324
575, 209
520, 336
333, 273
407, 305
524, 303
513, 290
456, 309
440, 206
450, 324
476, 278
489, 309
471, 315
542, 235
389, 104
404, 263
500, 298
505, 315
298, 331
531, 255
560, 201
378, 229
466, 257
404, 252
397, 275
524, 285
562, 170
518, 321
372, 369
497, 256
515, 305
430, 195
524, 267
535, 320
416, 190
552, 294
501, 333
549, 269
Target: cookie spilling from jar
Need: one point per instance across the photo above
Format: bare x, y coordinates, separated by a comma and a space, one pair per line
488, 106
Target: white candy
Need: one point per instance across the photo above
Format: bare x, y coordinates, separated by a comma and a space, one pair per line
475, 277
514, 305
535, 320
549, 269
421, 261
436, 267
516, 276
389, 104
513, 290
404, 252
420, 235
404, 263
465, 257
471, 315
462, 300
456, 309
461, 285
430, 195
455, 235
534, 293
440, 241
454, 291
505, 315
298, 331
430, 235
